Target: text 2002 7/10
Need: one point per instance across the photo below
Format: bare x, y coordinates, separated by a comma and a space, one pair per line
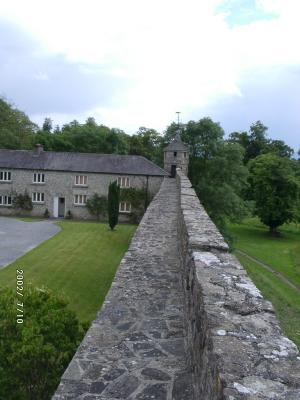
20, 295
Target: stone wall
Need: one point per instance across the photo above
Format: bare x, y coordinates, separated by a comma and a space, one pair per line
182, 320
235, 346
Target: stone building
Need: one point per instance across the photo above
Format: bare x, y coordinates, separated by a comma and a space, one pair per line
176, 155
62, 182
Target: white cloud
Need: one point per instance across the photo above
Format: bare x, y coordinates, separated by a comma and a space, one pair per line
41, 76
176, 55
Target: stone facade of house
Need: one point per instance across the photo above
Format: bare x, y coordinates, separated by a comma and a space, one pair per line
55, 182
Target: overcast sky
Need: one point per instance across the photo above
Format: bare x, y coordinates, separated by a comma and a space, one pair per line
136, 62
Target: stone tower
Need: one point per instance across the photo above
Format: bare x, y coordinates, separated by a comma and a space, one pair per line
176, 155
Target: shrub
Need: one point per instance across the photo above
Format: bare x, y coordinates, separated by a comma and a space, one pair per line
97, 205
69, 215
22, 201
35, 353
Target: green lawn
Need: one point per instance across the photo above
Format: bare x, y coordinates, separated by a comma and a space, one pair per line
283, 254
79, 262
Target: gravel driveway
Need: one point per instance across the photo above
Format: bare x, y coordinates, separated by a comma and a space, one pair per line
18, 237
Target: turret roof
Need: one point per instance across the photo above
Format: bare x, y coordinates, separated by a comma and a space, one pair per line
176, 144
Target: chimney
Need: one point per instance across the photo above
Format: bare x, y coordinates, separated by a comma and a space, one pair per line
38, 149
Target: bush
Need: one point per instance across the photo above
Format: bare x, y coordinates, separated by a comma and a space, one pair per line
22, 201
97, 205
46, 213
69, 215
35, 353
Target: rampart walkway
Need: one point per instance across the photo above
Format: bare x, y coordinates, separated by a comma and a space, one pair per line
135, 348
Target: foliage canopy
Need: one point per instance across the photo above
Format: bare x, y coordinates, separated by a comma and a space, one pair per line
33, 355
275, 189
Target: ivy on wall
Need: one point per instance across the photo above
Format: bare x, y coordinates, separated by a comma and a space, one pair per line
139, 199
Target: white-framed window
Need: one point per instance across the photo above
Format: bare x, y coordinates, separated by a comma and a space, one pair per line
5, 200
80, 199
5, 176
81, 180
38, 197
123, 181
124, 207
38, 177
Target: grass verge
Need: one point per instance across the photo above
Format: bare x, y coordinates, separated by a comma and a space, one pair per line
285, 300
79, 262
282, 253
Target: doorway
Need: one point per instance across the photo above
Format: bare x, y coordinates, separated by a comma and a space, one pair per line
61, 207
173, 171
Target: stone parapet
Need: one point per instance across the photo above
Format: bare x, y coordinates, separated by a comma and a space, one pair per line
135, 348
236, 348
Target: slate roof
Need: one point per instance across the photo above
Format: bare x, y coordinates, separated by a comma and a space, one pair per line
176, 144
79, 162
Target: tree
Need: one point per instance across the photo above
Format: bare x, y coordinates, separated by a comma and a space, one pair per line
275, 189
47, 125
35, 353
280, 148
216, 169
16, 129
257, 140
97, 205
113, 204
22, 201
221, 183
148, 143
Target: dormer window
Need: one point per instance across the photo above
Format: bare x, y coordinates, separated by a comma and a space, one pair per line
175, 153
38, 177
5, 176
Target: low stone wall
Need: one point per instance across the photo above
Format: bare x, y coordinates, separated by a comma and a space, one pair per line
236, 347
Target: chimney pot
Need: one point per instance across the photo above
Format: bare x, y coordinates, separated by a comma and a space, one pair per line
38, 149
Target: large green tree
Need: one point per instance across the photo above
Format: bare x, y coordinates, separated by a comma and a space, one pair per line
256, 143
275, 189
16, 129
35, 353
